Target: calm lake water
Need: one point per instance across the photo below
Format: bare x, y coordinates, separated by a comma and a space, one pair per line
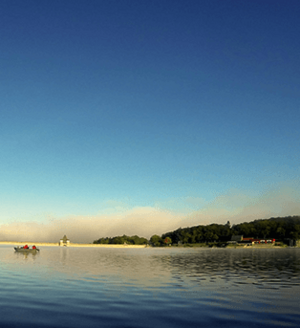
151, 287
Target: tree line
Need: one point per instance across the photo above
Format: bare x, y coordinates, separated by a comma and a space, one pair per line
129, 240
279, 228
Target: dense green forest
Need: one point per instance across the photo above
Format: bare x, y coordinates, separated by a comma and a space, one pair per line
279, 228
133, 240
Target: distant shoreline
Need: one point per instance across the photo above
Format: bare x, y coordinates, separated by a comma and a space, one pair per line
29, 243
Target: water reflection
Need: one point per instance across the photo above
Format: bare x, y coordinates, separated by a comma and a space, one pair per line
278, 268
26, 255
170, 287
275, 267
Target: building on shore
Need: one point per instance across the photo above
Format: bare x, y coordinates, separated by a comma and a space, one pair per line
235, 239
64, 241
239, 239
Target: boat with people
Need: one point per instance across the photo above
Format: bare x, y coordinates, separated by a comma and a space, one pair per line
26, 249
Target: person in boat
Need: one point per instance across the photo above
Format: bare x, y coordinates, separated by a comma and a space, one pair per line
33, 247
25, 247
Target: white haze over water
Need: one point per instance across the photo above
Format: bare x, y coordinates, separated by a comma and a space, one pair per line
234, 206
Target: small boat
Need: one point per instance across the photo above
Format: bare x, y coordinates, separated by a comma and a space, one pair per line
26, 250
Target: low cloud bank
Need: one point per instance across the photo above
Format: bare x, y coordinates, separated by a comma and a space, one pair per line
142, 221
147, 221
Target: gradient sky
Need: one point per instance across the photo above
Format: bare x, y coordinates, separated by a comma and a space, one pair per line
113, 107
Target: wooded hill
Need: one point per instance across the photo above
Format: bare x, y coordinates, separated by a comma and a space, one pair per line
278, 228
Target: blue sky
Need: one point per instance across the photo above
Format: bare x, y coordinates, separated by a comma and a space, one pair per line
113, 106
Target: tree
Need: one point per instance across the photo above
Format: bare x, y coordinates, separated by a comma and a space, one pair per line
185, 236
168, 241
281, 232
156, 240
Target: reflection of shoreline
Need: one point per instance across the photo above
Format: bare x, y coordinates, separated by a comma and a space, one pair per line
70, 245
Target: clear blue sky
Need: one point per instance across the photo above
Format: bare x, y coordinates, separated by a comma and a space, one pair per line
145, 103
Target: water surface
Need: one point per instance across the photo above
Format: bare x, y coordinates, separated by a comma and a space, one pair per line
170, 287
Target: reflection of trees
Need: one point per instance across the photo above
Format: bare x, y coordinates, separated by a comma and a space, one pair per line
157, 267
251, 265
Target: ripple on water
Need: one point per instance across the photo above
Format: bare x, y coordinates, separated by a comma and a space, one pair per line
144, 288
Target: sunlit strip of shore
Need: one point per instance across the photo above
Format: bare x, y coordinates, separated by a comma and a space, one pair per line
106, 245
17, 243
